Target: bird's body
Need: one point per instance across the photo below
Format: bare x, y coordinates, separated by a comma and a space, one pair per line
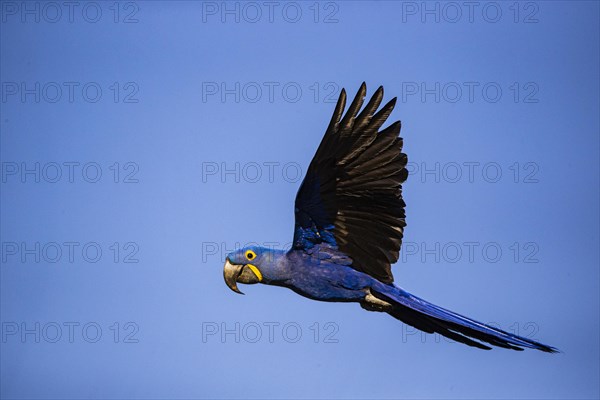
349, 226
321, 279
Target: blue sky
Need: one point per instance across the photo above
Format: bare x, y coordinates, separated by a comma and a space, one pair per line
142, 142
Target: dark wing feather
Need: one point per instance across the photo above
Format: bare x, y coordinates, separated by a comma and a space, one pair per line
351, 197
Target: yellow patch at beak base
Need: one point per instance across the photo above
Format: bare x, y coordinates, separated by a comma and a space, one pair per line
256, 271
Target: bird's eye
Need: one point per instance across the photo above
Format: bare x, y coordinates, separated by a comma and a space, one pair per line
250, 255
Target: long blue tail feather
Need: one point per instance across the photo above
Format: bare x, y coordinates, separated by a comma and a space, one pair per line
430, 318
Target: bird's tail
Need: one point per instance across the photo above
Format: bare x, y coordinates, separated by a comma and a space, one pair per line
430, 318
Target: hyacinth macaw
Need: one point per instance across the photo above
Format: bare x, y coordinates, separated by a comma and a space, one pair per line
349, 227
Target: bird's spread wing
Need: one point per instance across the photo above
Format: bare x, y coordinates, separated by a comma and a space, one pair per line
351, 197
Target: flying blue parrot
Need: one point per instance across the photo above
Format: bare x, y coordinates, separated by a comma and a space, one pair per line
348, 231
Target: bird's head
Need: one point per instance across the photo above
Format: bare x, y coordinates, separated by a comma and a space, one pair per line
248, 265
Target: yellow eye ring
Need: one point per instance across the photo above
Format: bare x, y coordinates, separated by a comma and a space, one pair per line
250, 255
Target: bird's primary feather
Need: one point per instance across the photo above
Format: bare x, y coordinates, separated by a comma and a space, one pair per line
351, 197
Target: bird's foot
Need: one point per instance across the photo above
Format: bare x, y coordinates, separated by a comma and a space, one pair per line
372, 303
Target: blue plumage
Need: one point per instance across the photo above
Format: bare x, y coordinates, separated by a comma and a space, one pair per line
349, 226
